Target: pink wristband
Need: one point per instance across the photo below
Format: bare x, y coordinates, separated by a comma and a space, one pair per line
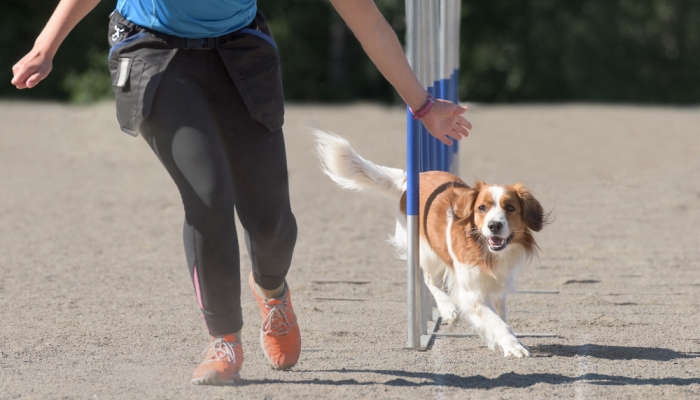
425, 108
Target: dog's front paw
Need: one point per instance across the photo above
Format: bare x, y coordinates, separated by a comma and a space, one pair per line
448, 313
512, 347
448, 320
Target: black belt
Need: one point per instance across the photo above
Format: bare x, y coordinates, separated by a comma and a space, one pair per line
182, 42
201, 43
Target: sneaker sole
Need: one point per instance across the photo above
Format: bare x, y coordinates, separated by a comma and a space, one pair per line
214, 381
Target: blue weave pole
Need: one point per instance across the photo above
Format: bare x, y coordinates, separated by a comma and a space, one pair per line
432, 47
412, 163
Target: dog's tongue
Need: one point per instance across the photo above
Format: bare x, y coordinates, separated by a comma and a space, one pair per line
496, 241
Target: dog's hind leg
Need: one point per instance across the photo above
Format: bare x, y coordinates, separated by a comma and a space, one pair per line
498, 301
399, 240
436, 275
445, 305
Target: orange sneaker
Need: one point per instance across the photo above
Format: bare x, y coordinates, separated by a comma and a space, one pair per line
280, 338
222, 362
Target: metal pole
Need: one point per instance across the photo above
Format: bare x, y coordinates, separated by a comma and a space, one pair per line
423, 76
412, 160
432, 36
443, 49
452, 71
429, 60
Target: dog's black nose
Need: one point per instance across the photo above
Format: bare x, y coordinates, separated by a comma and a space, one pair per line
495, 226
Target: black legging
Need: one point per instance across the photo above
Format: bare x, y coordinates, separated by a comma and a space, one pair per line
220, 158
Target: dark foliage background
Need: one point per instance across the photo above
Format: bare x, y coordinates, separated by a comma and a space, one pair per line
643, 51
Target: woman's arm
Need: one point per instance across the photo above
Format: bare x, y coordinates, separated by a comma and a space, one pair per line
37, 64
382, 46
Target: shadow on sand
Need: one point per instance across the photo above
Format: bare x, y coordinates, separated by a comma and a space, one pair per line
512, 379
507, 380
611, 352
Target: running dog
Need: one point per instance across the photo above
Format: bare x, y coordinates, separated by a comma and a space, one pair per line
472, 239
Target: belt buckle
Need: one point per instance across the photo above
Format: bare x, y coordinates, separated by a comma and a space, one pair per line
200, 43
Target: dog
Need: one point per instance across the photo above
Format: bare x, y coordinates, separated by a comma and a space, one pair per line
472, 239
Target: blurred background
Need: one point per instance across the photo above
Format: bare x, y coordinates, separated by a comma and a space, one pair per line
632, 51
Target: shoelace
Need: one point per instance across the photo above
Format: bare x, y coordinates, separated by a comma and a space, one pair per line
224, 350
276, 323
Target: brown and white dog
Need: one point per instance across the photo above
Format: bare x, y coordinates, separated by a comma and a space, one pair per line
472, 239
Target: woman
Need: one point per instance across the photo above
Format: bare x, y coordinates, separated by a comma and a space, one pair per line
201, 82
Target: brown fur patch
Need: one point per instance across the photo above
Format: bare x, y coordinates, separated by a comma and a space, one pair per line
441, 191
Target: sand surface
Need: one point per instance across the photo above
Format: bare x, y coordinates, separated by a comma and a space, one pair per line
96, 302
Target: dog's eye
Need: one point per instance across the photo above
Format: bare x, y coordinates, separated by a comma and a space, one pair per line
482, 208
510, 208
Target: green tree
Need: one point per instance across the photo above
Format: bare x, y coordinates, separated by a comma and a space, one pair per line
511, 50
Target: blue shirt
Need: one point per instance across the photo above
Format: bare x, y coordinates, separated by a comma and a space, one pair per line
190, 18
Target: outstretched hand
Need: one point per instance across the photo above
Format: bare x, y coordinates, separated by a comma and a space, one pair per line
445, 121
31, 69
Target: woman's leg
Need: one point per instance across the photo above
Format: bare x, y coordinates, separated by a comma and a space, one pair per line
261, 191
183, 132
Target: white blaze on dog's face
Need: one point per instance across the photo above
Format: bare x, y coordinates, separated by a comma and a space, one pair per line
504, 214
497, 212
491, 218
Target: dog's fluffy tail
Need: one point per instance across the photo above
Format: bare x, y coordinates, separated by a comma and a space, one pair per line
350, 171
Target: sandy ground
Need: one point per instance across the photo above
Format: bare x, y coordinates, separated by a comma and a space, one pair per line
96, 302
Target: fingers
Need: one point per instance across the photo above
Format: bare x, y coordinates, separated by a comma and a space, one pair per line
460, 128
461, 121
454, 136
446, 123
460, 109
27, 78
17, 81
34, 80
444, 139
20, 76
457, 135
459, 132
456, 132
19, 84
31, 69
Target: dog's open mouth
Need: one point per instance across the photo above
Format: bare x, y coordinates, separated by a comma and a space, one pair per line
498, 243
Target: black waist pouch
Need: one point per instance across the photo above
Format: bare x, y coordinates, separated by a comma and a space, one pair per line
253, 63
139, 57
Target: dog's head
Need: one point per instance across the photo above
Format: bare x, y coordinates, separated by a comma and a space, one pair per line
500, 215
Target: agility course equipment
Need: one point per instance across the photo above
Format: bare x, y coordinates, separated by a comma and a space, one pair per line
432, 48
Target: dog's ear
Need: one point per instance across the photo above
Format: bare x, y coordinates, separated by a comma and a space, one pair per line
463, 203
533, 214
